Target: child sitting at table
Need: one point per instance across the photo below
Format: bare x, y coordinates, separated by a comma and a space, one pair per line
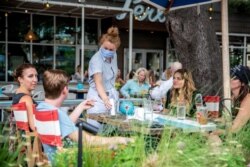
55, 85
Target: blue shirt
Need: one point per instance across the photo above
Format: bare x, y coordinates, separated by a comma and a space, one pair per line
133, 87
67, 126
108, 70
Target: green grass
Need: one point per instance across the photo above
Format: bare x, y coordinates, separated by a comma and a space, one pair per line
173, 148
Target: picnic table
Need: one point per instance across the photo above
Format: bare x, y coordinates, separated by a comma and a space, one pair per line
80, 93
154, 127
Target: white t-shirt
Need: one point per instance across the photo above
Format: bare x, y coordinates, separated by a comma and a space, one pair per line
160, 91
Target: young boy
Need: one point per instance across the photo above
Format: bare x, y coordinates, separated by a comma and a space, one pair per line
55, 83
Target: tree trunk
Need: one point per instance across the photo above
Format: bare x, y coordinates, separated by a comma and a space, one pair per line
195, 43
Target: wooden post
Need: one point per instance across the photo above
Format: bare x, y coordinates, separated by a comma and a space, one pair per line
225, 54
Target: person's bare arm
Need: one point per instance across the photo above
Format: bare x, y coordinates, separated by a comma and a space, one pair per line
84, 105
91, 140
98, 140
29, 105
243, 115
101, 90
121, 81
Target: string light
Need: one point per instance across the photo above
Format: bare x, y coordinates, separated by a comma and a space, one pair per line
210, 11
47, 5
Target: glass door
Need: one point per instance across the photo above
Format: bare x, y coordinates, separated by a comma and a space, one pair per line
89, 51
147, 58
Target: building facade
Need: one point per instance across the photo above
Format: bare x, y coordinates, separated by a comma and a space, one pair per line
51, 36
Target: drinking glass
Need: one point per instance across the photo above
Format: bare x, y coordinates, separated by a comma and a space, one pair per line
181, 111
148, 110
201, 115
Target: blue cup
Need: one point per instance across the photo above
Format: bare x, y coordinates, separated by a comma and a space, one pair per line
80, 86
1, 91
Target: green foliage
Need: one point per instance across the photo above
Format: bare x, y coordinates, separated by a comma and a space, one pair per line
132, 155
7, 157
239, 6
175, 149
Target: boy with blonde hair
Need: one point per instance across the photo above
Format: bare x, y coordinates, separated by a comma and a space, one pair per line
55, 83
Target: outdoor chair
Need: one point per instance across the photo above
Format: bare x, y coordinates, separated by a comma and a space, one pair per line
7, 88
39, 95
32, 147
212, 103
48, 128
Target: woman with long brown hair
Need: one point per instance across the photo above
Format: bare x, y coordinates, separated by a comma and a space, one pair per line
183, 91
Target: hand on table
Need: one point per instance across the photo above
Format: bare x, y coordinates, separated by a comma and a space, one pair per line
107, 104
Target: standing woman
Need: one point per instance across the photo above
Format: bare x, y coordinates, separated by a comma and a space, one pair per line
26, 76
102, 72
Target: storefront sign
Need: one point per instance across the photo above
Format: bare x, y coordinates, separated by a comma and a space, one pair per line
142, 12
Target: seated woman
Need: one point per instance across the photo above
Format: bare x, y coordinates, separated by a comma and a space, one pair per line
183, 91
240, 89
137, 86
26, 76
151, 77
118, 80
130, 75
78, 74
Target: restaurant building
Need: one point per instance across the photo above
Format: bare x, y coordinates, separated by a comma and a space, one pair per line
48, 34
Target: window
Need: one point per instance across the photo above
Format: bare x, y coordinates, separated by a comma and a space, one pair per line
2, 26
2, 62
43, 28
42, 58
65, 30
18, 26
90, 31
65, 59
17, 54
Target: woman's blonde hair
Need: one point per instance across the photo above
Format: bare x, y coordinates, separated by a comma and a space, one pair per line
137, 74
112, 36
187, 89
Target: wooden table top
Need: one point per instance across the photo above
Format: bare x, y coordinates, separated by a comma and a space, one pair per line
159, 123
125, 125
4, 97
75, 90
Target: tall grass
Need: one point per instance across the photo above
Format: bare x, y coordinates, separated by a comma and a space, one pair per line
174, 149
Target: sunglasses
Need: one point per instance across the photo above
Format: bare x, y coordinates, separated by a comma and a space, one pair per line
234, 78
